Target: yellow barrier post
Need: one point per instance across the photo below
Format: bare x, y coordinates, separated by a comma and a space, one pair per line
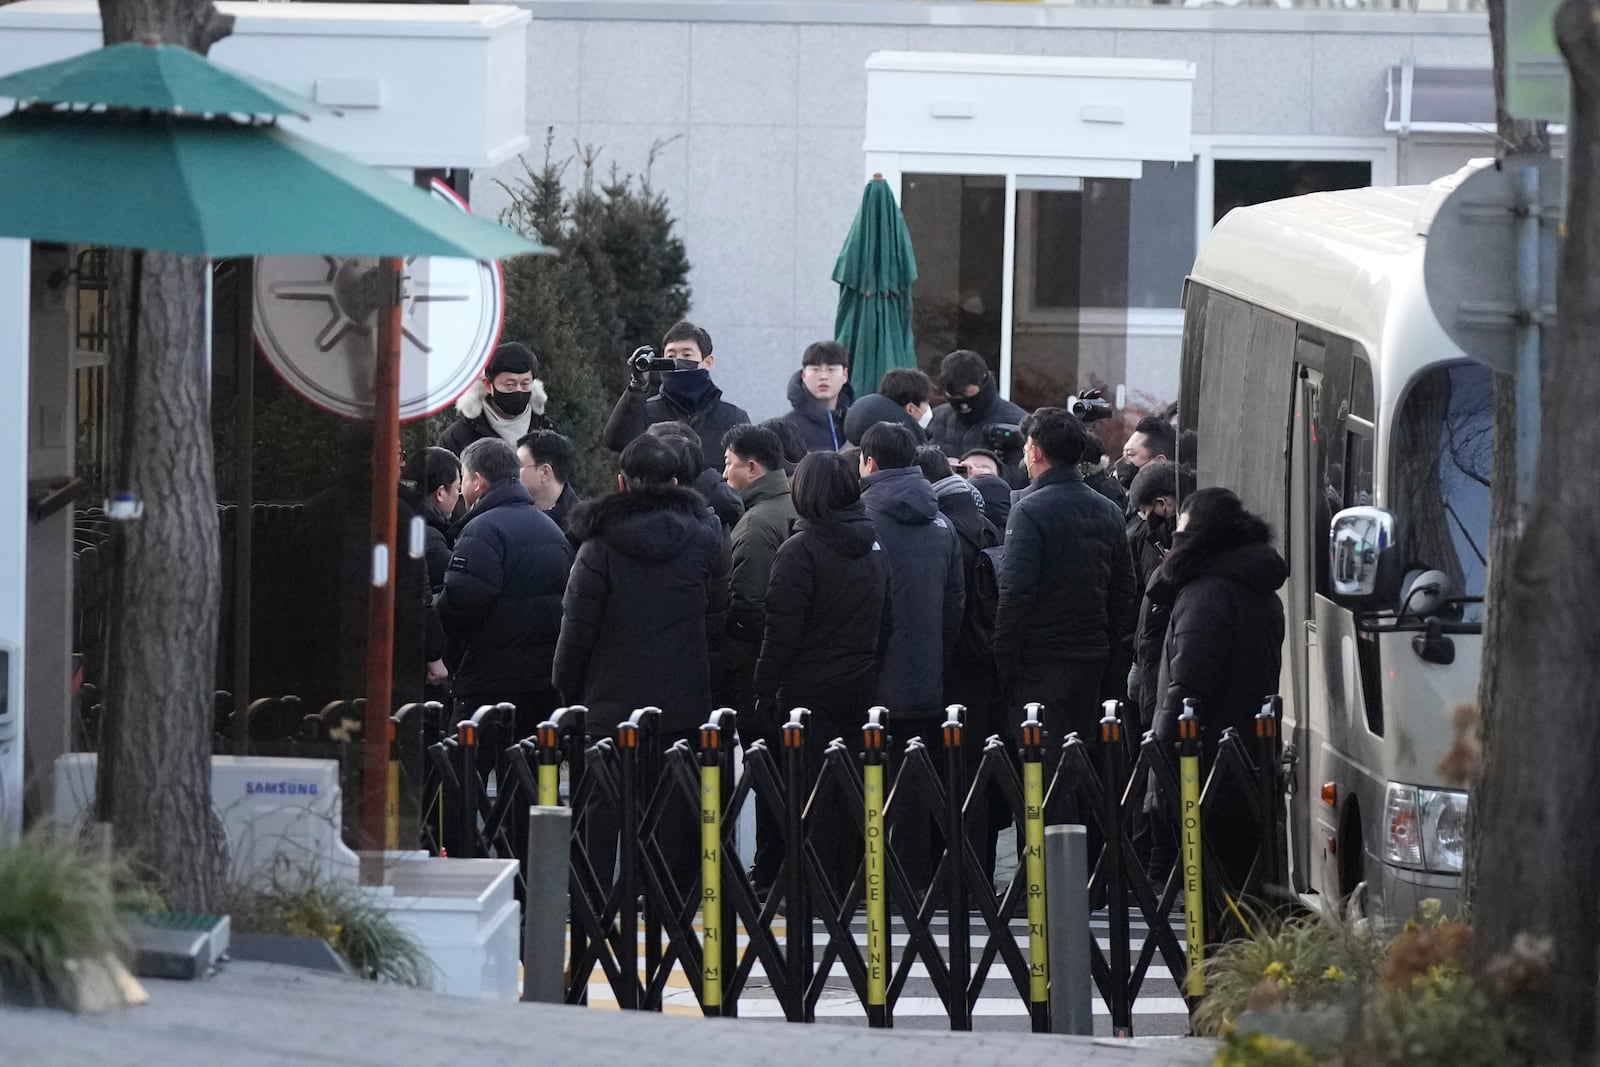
1189, 823
1033, 847
549, 741
873, 741
711, 868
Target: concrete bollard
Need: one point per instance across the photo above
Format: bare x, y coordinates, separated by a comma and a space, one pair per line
1066, 860
544, 925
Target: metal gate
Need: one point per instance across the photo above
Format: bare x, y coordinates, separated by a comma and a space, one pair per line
653, 889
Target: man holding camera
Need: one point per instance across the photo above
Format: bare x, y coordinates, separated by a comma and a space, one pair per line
686, 394
977, 416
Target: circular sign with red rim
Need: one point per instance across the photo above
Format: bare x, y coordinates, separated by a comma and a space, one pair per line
314, 324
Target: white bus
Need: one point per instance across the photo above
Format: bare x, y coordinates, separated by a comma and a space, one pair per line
1324, 392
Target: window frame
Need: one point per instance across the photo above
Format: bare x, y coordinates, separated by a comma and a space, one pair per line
1381, 153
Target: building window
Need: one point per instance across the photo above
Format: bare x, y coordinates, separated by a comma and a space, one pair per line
1242, 182
1089, 251
957, 225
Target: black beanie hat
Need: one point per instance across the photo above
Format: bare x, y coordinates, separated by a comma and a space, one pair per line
513, 357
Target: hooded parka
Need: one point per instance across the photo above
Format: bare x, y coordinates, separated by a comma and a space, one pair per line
644, 610
474, 423
875, 408
926, 589
821, 430
1224, 639
824, 611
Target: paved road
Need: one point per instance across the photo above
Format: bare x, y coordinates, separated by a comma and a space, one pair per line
258, 1014
1159, 1010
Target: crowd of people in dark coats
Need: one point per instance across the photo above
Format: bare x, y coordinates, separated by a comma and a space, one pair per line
856, 551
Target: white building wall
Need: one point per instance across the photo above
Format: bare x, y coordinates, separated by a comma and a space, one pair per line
756, 114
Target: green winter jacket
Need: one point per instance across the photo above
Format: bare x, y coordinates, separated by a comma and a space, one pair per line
768, 514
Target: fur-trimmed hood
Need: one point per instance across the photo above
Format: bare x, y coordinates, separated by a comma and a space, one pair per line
648, 524
471, 403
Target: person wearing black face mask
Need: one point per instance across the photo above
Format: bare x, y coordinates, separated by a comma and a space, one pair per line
1154, 498
974, 404
685, 395
507, 402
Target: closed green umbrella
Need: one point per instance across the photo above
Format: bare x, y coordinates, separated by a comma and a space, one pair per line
875, 271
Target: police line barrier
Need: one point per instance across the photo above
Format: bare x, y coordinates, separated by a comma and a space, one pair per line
657, 883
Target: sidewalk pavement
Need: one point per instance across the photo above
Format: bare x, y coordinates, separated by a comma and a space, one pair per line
256, 1013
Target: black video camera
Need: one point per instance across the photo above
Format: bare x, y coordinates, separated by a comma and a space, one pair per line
644, 360
1091, 407
1002, 437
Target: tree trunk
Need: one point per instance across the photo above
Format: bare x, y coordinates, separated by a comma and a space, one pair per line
165, 588
1539, 858
195, 24
167, 576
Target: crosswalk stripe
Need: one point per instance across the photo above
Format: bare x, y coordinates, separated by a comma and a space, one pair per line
757, 1000
908, 1007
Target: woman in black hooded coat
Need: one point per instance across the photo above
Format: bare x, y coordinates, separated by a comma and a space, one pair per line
1224, 643
826, 600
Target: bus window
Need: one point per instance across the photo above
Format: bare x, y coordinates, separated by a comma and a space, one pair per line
1358, 450
1443, 448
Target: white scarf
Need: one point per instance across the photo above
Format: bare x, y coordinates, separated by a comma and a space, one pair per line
510, 430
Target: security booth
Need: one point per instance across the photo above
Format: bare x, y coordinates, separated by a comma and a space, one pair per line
427, 93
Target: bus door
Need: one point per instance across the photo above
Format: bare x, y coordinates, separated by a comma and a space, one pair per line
1311, 822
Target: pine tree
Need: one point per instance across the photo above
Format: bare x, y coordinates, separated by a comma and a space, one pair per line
618, 280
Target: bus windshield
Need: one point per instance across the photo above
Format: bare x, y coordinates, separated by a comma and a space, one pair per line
1443, 448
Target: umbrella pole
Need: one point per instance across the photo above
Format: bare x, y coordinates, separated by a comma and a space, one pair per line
380, 614
244, 448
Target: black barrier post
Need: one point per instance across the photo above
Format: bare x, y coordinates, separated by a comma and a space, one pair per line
797, 950
572, 723
391, 788
1115, 754
1271, 879
647, 768
627, 867
467, 753
503, 737
1191, 851
960, 921
1033, 866
415, 739
873, 744
574, 720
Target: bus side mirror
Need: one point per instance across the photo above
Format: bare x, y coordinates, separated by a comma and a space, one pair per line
1358, 539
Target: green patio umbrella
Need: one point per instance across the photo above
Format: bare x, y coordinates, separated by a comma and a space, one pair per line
875, 270
146, 146
151, 77
219, 188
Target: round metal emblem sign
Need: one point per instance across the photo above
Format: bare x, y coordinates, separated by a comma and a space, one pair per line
312, 325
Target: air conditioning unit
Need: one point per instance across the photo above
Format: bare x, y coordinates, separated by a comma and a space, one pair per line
272, 811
